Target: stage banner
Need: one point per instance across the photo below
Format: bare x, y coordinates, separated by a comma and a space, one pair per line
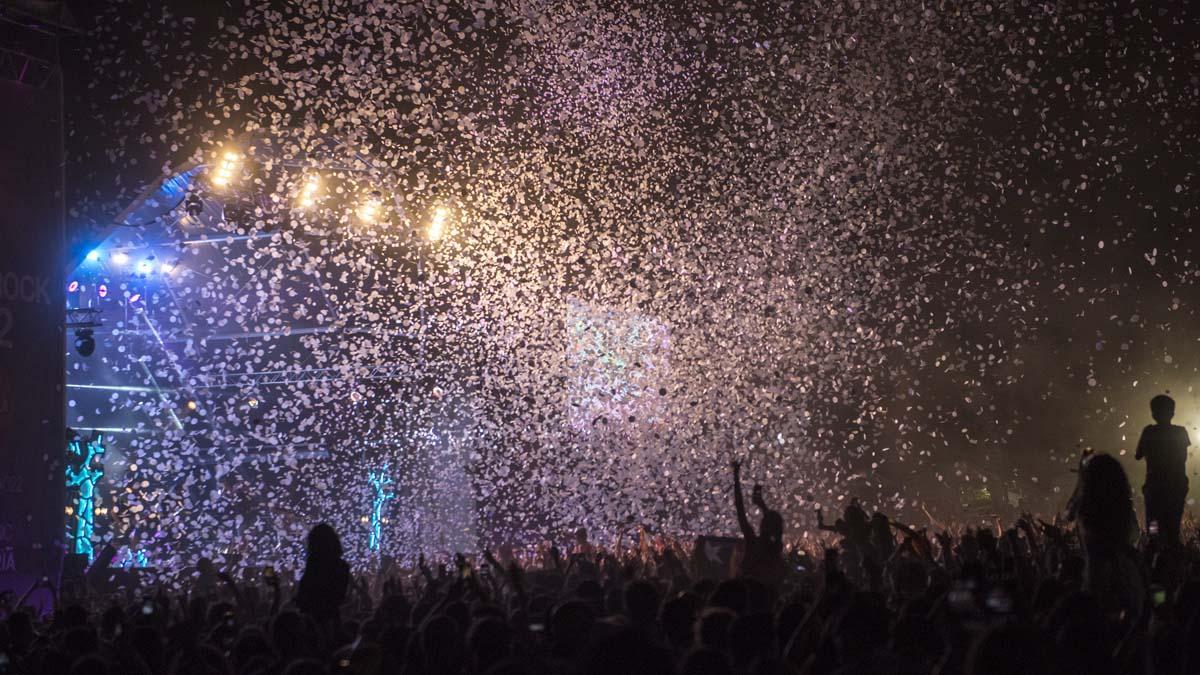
32, 357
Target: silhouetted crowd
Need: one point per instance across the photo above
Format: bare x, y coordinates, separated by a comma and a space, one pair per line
1092, 592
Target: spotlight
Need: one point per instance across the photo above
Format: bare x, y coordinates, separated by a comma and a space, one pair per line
371, 206
145, 267
191, 405
85, 343
102, 290
73, 286
437, 224
167, 268
227, 168
310, 192
120, 258
93, 255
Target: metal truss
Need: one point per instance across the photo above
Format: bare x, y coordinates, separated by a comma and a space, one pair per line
28, 70
83, 317
287, 378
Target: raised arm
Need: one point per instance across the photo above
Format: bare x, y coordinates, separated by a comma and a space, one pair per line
739, 502
821, 522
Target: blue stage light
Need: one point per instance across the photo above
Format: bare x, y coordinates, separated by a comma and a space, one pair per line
83, 473
379, 481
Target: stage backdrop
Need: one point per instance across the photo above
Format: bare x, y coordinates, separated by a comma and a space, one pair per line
32, 293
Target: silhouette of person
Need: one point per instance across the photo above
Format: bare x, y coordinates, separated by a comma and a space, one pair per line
1103, 506
763, 559
1164, 447
326, 576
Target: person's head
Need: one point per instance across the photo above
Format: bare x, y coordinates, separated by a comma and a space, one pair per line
442, 644
771, 527
880, 525
641, 602
288, 635
1162, 408
712, 628
570, 624
323, 543
1105, 499
730, 594
677, 616
489, 642
581, 536
855, 519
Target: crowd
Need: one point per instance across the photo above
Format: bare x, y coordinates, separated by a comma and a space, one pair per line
1091, 593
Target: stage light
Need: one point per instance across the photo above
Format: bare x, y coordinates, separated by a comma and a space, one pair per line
93, 255
73, 286
379, 481
85, 342
227, 168
253, 403
120, 258
310, 192
135, 298
145, 267
191, 405
102, 290
370, 208
437, 224
167, 268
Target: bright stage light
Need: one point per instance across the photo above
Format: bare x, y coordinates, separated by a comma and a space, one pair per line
310, 192
167, 268
120, 258
227, 168
93, 256
145, 267
371, 207
437, 224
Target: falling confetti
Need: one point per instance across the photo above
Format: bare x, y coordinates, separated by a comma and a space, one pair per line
556, 264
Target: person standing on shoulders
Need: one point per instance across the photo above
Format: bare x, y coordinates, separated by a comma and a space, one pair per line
1164, 447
